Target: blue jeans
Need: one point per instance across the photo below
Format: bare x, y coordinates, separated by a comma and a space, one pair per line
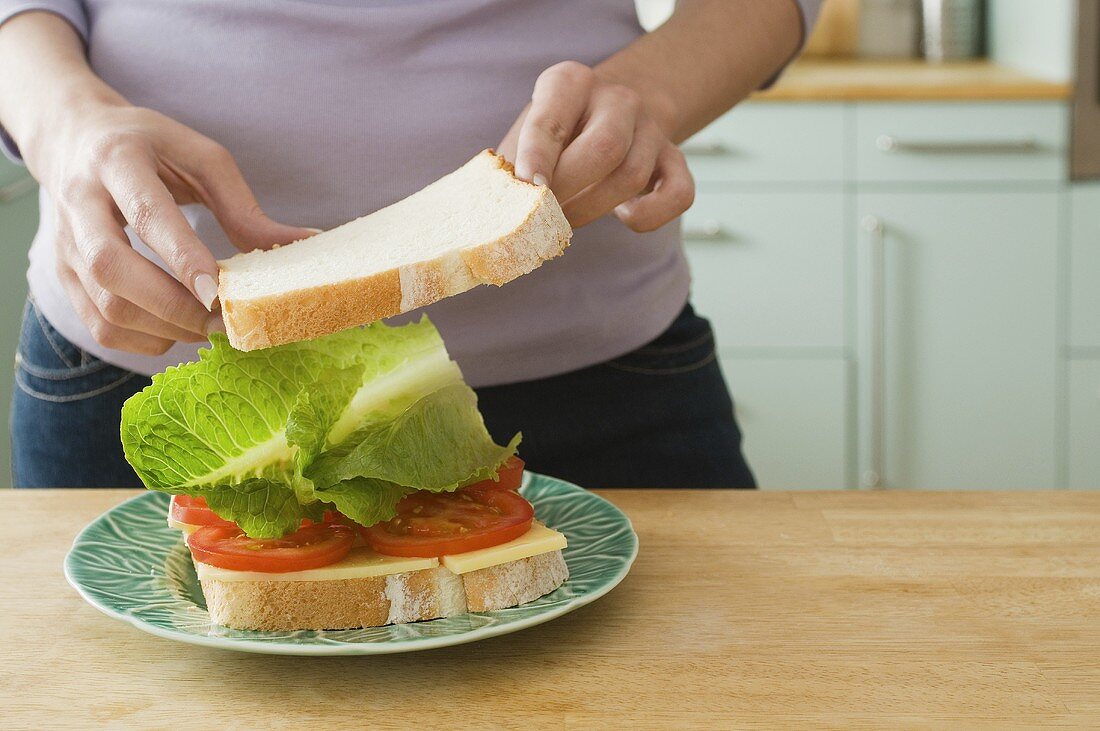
660, 416
65, 412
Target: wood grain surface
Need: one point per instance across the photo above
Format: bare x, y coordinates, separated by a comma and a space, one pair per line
813, 79
744, 610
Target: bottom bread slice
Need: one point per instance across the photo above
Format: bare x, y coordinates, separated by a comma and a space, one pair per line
374, 601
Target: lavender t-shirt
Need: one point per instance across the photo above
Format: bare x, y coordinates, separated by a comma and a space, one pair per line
335, 109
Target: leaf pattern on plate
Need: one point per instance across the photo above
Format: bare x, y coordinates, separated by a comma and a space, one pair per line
130, 565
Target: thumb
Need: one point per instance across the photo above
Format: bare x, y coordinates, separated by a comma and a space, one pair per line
233, 204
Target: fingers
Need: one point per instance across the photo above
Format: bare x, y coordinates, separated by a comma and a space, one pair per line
557, 103
106, 334
149, 208
223, 190
618, 153
127, 288
673, 193
602, 145
630, 179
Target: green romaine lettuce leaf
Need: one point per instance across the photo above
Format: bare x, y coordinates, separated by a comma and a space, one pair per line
222, 419
319, 407
364, 500
371, 412
262, 508
438, 443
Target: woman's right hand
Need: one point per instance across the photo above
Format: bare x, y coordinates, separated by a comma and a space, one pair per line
109, 164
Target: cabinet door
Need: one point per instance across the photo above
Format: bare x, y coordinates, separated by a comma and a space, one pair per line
1084, 424
968, 339
768, 269
18, 221
793, 414
1084, 267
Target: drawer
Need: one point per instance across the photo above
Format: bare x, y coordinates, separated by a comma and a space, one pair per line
771, 142
768, 269
1084, 267
1084, 424
794, 418
991, 141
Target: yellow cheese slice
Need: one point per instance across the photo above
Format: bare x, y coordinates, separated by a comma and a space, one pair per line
187, 528
362, 562
539, 539
359, 564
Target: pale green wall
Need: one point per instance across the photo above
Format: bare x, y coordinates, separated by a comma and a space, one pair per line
18, 221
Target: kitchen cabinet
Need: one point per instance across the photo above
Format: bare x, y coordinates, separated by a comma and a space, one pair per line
924, 255
1084, 424
968, 356
769, 269
1083, 387
1084, 412
1084, 266
794, 416
18, 222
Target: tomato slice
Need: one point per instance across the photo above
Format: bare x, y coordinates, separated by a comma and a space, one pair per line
310, 547
195, 511
509, 476
438, 524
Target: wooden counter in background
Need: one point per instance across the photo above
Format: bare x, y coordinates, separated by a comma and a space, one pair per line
820, 80
744, 610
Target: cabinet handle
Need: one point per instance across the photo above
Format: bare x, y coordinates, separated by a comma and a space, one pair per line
707, 231
889, 143
705, 148
871, 475
18, 189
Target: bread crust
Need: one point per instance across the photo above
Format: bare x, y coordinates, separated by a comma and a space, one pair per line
311, 312
514, 583
412, 596
262, 322
293, 605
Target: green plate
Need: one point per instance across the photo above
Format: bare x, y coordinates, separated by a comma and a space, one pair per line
130, 565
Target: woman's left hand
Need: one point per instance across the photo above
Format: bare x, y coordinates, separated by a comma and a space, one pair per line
599, 149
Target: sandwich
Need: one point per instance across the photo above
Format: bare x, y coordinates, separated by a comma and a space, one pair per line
347, 481
329, 471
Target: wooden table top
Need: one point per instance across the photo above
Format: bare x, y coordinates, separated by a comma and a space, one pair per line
844, 609
814, 79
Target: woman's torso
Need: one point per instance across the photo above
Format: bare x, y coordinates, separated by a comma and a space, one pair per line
336, 109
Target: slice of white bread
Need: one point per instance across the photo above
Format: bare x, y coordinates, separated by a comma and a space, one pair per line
378, 600
477, 225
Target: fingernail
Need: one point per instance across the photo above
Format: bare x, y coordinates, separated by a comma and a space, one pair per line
215, 324
314, 230
539, 179
207, 290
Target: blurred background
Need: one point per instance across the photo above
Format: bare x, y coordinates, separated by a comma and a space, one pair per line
898, 245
